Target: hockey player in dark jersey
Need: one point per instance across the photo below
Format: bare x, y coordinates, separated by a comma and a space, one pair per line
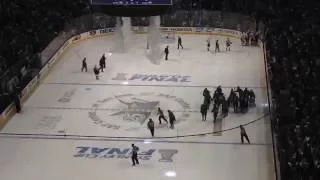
172, 119
243, 134
206, 92
102, 62
166, 51
207, 97
96, 72
151, 126
180, 42
134, 155
217, 49
215, 111
228, 44
235, 103
252, 98
84, 65
208, 44
161, 116
225, 108
204, 111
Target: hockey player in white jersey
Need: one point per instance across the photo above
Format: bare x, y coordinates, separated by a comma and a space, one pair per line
228, 44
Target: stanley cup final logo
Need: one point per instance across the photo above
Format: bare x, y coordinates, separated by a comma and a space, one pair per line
88, 152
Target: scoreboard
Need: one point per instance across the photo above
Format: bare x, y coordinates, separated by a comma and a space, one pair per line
131, 2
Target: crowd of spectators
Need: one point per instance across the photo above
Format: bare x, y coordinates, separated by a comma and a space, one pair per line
292, 43
27, 27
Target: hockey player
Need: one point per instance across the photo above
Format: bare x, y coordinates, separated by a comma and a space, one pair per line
151, 126
231, 96
204, 110
102, 62
243, 39
252, 98
208, 44
246, 92
84, 65
215, 111
134, 156
225, 108
206, 92
172, 119
166, 51
243, 134
161, 116
235, 103
245, 102
228, 44
96, 72
218, 96
247, 38
207, 97
217, 49
180, 42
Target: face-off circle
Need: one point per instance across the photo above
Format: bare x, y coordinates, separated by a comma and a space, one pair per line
134, 110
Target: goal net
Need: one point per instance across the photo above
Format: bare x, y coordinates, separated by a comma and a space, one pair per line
170, 35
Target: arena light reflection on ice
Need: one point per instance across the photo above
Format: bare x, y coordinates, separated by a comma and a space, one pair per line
147, 141
171, 174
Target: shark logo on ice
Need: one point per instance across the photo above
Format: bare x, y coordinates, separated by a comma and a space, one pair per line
138, 110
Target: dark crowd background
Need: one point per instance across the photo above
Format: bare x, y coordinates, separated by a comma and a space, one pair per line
31, 29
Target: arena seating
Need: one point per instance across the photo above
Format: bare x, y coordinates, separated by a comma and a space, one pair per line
292, 41
294, 67
27, 28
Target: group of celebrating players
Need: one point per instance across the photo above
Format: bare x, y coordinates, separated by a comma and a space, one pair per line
96, 70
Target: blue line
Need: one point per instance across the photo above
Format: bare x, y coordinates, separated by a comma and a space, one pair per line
112, 109
26, 135
153, 85
136, 140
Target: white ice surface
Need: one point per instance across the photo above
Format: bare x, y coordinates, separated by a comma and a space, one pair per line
199, 157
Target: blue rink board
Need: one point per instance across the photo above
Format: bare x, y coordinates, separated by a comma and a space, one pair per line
131, 2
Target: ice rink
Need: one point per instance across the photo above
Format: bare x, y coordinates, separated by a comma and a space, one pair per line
77, 127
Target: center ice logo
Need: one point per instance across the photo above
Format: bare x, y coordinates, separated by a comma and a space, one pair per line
87, 152
135, 109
